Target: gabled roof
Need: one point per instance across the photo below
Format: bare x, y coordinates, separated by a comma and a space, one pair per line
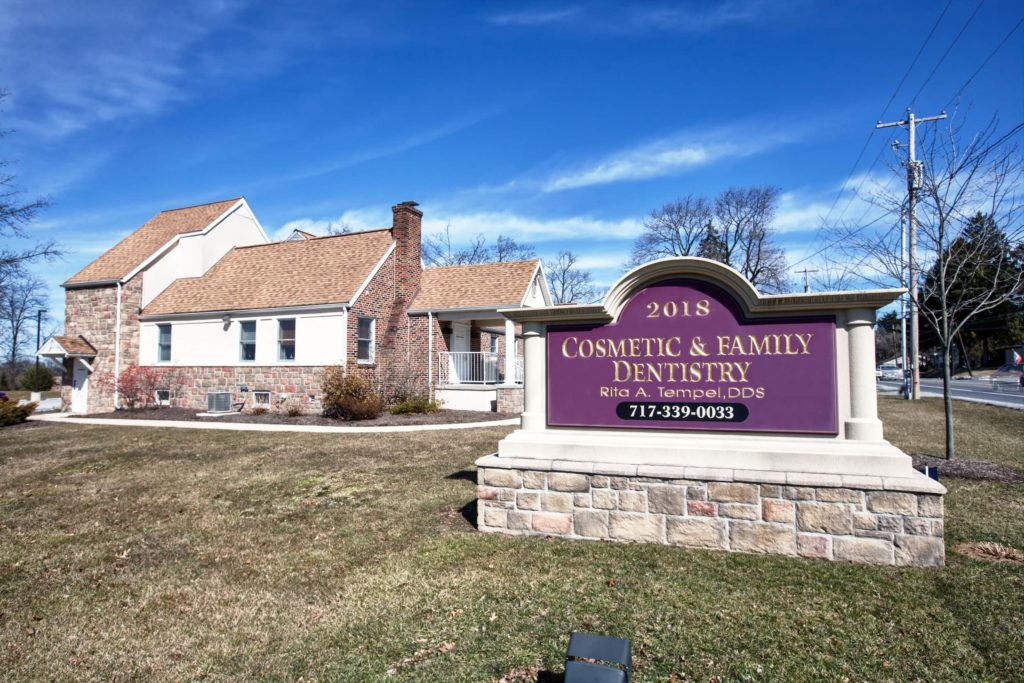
121, 259
321, 270
485, 285
67, 345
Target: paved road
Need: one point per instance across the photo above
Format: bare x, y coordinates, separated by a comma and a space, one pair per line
1001, 392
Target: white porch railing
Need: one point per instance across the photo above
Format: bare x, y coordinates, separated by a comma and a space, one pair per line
474, 367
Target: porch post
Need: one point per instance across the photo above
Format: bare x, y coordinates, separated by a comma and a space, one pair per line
535, 385
510, 352
863, 424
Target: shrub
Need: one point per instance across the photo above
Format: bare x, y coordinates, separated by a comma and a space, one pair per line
396, 382
291, 408
415, 404
349, 397
258, 410
137, 385
11, 413
30, 380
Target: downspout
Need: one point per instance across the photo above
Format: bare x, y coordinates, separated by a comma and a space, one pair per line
344, 338
430, 355
117, 349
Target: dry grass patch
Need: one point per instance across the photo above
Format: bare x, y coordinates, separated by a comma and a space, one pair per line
995, 552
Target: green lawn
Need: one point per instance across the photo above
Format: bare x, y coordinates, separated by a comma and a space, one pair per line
131, 553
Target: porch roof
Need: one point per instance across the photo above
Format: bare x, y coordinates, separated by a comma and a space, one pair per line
67, 346
480, 287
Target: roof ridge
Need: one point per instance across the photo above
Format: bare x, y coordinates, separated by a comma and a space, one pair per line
311, 239
488, 263
196, 206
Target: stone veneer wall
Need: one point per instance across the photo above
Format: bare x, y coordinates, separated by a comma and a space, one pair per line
287, 384
510, 399
822, 519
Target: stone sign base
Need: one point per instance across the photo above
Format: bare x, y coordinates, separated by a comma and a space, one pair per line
877, 520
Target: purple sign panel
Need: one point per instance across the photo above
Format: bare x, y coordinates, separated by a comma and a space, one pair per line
682, 356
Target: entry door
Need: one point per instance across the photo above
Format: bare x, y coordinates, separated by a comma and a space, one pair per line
459, 360
79, 388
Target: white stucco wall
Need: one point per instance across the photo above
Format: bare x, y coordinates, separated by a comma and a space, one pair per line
196, 253
535, 295
320, 340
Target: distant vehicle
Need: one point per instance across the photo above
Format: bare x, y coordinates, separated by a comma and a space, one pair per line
878, 372
890, 372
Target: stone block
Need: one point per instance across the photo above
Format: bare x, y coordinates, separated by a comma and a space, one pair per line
666, 499
556, 502
701, 508
506, 478
695, 492
739, 511
890, 523
797, 493
892, 502
604, 499
534, 480
552, 523
618, 483
824, 518
696, 532
581, 500
917, 526
527, 500
629, 526
938, 528
599, 482
929, 506
761, 537
495, 518
568, 481
777, 510
591, 523
633, 501
733, 492
919, 551
486, 493
839, 496
771, 491
518, 521
864, 520
865, 550
814, 545
506, 495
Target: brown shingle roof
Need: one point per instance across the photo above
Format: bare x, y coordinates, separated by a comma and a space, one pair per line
76, 345
127, 254
322, 270
487, 285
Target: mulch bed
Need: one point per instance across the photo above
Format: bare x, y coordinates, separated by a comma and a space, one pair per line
981, 470
385, 420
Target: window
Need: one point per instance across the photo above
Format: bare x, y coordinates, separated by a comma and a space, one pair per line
286, 339
164, 344
247, 343
494, 343
163, 397
365, 340
261, 398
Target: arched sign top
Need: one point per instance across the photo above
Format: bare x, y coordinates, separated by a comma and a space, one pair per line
694, 267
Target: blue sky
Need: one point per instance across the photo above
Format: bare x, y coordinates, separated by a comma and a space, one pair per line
558, 124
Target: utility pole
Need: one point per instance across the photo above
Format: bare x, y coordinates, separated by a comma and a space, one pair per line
807, 280
915, 177
39, 324
903, 306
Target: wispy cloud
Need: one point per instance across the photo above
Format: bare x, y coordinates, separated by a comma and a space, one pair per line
668, 156
535, 18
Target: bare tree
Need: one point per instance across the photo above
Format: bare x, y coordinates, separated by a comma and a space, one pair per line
440, 250
676, 229
569, 284
21, 295
735, 229
968, 227
15, 215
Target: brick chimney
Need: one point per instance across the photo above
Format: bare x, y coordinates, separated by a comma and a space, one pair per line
406, 227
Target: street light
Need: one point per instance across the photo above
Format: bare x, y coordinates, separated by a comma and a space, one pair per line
39, 324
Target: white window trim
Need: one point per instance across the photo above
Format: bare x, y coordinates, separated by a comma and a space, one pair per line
159, 345
373, 341
255, 402
295, 341
156, 397
255, 338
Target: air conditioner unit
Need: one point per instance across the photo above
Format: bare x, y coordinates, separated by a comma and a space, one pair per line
218, 402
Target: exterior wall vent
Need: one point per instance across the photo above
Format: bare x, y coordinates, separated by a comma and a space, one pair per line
218, 402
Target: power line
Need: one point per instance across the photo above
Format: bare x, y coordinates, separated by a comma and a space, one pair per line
985, 63
946, 53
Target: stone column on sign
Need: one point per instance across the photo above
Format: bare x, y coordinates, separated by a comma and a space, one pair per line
534, 383
863, 424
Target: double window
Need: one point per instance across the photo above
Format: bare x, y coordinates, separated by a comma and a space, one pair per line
365, 340
247, 341
164, 343
286, 339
